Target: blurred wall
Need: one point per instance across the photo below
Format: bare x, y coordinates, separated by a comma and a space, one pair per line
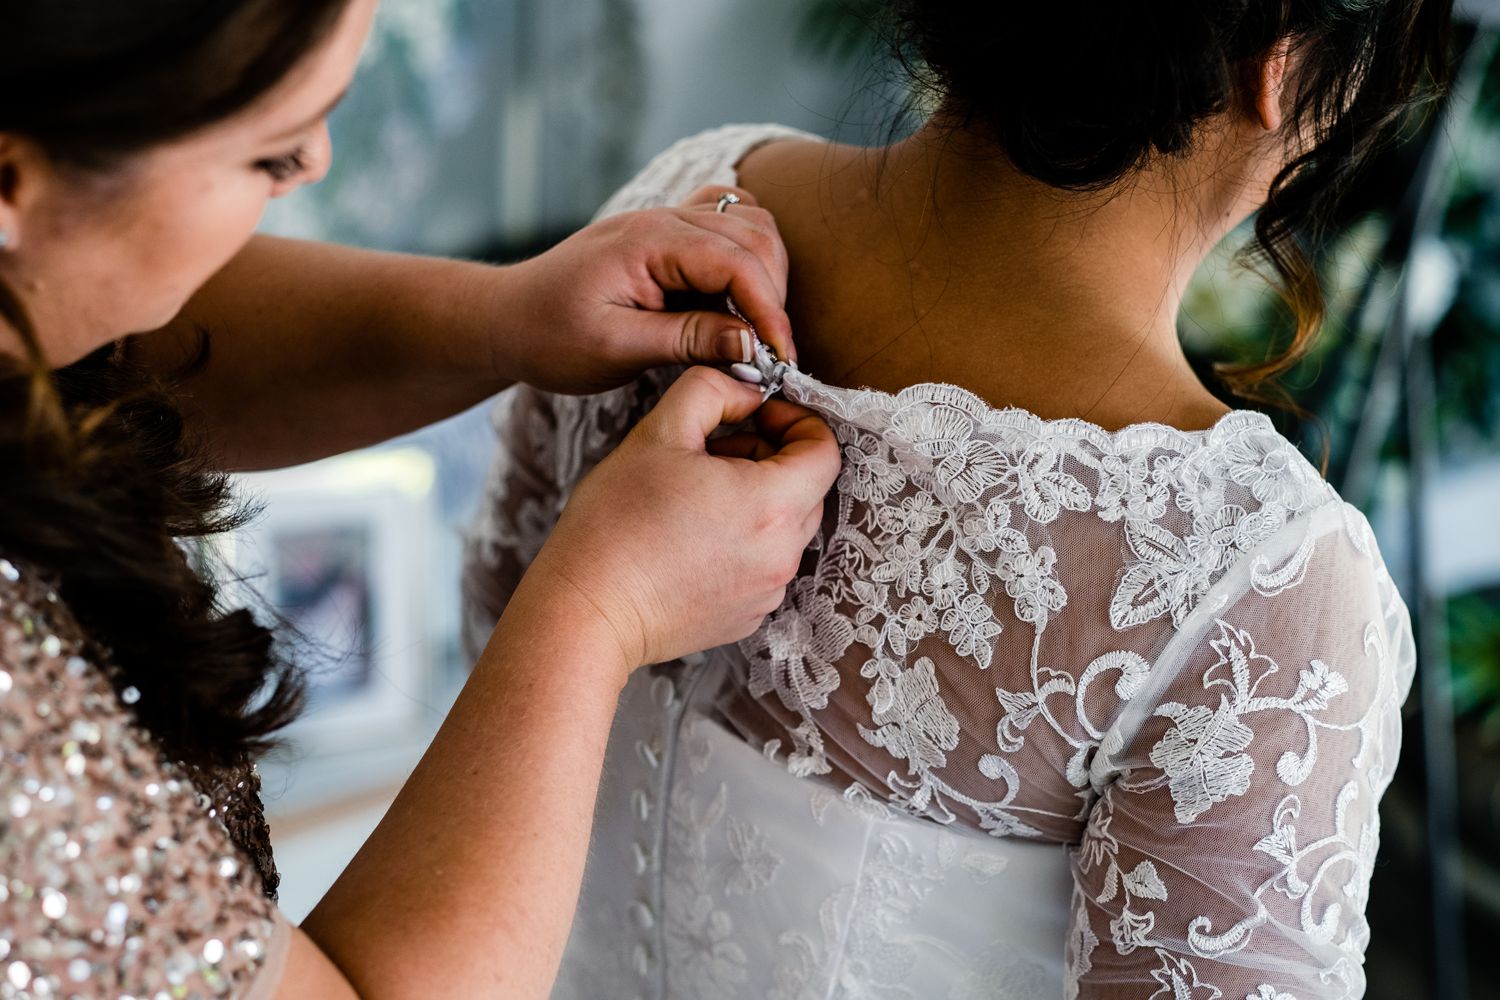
494, 123
601, 86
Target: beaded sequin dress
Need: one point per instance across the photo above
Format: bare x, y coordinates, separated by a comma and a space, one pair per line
122, 874
1049, 711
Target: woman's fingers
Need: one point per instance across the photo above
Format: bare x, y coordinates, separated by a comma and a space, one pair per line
608, 294
744, 445
792, 439
806, 448
710, 194
744, 222
680, 543
813, 521
754, 230
711, 338
777, 417
699, 402
715, 264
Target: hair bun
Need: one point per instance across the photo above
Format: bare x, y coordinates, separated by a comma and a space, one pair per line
1078, 94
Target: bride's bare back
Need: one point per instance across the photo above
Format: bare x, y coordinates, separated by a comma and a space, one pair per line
934, 260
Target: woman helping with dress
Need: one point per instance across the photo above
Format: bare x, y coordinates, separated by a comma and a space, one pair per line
137, 151
1089, 684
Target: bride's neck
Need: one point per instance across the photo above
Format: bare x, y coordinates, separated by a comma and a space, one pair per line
938, 261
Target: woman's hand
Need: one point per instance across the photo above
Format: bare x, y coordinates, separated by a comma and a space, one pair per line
680, 545
668, 546
587, 315
296, 350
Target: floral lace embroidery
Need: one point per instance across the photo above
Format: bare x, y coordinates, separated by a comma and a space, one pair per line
702, 957
942, 506
952, 553
863, 952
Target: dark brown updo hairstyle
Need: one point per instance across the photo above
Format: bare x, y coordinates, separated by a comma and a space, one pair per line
1080, 94
102, 488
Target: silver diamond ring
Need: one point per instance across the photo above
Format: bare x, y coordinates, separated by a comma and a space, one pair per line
726, 199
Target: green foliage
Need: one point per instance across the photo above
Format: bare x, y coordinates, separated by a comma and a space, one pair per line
1468, 343
1474, 638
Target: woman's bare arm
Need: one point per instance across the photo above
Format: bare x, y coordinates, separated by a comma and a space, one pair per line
316, 349
467, 887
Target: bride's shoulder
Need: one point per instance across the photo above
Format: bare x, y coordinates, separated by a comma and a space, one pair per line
707, 157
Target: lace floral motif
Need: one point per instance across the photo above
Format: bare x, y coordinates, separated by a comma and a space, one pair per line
864, 952
1200, 754
1179, 980
798, 653
936, 517
1176, 651
1203, 760
1130, 930
703, 957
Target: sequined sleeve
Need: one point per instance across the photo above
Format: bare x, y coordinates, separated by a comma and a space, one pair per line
115, 878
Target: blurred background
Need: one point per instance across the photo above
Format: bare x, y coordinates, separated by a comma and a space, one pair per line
492, 128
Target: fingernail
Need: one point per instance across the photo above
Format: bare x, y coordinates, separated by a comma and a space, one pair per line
734, 345
746, 373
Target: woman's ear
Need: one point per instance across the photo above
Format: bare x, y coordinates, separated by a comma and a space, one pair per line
10, 230
22, 169
1271, 84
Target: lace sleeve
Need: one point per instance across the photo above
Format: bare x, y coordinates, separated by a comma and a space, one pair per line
118, 880
546, 444
1231, 850
521, 503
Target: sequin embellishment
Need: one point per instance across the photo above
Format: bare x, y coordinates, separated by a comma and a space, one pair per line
118, 875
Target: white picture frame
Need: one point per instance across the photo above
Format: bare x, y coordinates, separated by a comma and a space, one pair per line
343, 550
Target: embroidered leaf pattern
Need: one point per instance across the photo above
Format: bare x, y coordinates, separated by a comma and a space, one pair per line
1022, 626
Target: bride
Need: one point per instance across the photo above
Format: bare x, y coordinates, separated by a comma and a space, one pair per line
1088, 685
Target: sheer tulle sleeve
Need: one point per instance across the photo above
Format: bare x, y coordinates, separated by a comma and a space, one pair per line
117, 878
1230, 852
521, 503
545, 444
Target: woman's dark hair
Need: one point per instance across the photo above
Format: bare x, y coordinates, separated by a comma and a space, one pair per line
103, 485
1079, 95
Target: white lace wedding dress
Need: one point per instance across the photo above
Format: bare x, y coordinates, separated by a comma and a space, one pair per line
1050, 711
